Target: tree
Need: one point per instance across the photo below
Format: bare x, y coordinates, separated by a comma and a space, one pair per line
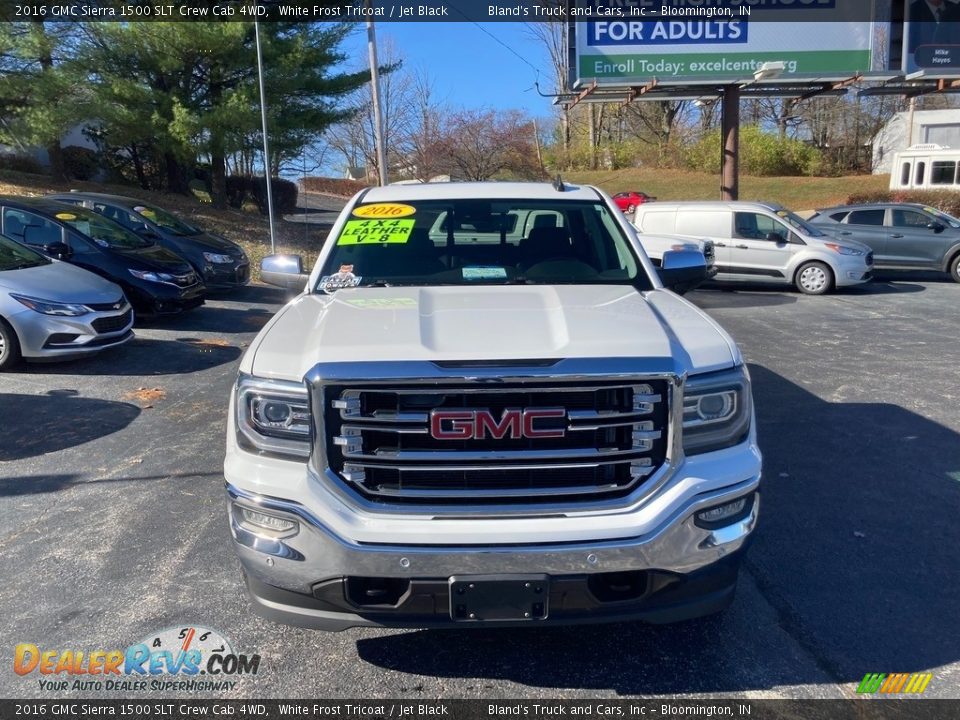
190, 90
480, 144
40, 100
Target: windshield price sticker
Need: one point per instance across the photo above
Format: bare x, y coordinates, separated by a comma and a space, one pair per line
375, 232
384, 210
65, 216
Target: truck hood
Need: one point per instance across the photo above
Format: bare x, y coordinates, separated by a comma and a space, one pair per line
487, 323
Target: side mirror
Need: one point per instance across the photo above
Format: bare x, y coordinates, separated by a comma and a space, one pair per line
775, 237
284, 271
58, 250
936, 227
682, 270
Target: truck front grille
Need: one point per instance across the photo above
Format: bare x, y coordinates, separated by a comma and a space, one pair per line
479, 443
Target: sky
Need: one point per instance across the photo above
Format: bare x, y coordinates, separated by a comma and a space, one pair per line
469, 68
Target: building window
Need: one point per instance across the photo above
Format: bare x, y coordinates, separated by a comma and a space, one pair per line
943, 172
905, 174
918, 178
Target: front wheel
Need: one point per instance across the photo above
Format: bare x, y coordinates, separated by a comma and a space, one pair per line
813, 278
9, 346
955, 268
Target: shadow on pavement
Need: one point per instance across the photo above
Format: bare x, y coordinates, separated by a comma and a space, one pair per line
145, 357
713, 296
56, 421
36, 484
856, 552
211, 319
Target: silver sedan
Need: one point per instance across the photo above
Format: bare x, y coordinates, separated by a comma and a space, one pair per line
51, 310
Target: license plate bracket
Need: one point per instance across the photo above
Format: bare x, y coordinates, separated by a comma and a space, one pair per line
484, 598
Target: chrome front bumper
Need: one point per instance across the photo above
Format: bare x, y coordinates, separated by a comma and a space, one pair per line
316, 554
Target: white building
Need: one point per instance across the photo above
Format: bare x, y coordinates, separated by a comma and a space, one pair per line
929, 126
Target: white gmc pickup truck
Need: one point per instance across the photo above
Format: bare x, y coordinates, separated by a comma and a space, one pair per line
485, 407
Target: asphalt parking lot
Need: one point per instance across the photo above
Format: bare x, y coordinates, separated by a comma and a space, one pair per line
113, 527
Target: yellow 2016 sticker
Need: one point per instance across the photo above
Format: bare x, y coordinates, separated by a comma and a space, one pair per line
384, 210
375, 232
65, 216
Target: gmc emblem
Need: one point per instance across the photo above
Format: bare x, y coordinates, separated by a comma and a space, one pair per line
480, 424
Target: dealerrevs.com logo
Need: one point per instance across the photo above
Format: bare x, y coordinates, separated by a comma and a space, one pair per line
191, 659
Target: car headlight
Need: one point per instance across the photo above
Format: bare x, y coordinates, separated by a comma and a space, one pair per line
717, 410
273, 416
844, 250
217, 258
150, 275
51, 307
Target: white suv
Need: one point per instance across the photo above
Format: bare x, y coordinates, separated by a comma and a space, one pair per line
470, 415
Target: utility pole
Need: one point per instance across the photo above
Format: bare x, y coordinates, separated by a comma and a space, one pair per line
730, 131
536, 139
375, 88
266, 146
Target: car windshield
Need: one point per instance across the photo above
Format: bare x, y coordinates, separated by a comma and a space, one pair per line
104, 232
944, 217
798, 223
14, 256
166, 221
481, 242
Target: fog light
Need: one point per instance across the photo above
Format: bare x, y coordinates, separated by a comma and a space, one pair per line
271, 523
724, 514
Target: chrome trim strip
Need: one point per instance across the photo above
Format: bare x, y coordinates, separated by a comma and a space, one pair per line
440, 456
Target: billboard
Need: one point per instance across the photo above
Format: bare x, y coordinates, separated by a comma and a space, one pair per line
932, 36
725, 49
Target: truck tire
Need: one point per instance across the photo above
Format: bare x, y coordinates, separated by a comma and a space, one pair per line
9, 346
813, 278
955, 267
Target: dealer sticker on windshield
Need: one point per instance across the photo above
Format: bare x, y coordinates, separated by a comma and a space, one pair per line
344, 278
375, 232
484, 273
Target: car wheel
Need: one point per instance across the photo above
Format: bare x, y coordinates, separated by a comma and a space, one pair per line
630, 208
814, 278
9, 346
955, 268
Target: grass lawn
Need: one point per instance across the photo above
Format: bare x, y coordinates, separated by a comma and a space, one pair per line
796, 193
250, 230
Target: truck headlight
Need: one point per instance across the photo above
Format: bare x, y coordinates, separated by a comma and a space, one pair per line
273, 416
717, 410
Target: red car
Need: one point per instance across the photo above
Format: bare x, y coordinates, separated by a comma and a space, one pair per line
628, 201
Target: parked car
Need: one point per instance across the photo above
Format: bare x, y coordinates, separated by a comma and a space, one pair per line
762, 241
52, 310
628, 201
156, 280
221, 264
903, 236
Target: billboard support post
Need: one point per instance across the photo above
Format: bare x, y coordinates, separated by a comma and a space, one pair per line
730, 131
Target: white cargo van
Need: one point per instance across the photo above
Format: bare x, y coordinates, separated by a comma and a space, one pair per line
762, 241
926, 167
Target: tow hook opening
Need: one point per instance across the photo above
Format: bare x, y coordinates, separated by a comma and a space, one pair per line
376, 592
618, 586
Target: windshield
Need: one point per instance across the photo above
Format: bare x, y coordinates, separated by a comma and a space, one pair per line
481, 242
798, 223
104, 232
944, 217
166, 221
14, 256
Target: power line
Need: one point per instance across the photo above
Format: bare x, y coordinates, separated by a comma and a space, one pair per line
499, 42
